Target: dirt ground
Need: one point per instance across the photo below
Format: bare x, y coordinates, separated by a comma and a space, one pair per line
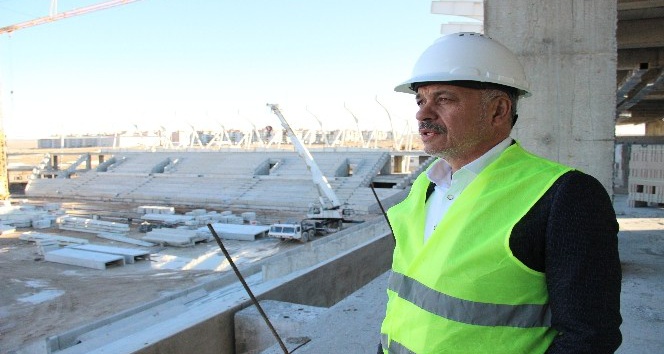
39, 298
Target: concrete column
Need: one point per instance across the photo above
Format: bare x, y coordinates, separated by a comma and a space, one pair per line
398, 163
568, 49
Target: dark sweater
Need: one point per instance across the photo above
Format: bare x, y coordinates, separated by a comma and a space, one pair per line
570, 234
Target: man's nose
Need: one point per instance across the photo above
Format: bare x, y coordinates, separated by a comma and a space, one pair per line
424, 113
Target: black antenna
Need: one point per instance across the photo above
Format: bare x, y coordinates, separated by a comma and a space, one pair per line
246, 287
382, 209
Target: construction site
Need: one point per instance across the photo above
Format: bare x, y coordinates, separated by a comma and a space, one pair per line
275, 239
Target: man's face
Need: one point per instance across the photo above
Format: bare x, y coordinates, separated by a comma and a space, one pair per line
452, 123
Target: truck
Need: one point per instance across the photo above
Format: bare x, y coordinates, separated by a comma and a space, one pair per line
304, 230
300, 231
323, 217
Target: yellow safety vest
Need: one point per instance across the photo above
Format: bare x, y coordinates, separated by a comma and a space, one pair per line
463, 291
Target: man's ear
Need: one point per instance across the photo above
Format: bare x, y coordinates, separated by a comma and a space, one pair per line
501, 110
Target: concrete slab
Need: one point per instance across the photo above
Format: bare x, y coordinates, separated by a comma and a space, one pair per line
252, 334
173, 237
125, 239
238, 232
84, 258
62, 240
130, 255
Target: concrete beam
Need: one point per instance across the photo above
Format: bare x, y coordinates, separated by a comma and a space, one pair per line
642, 33
631, 5
634, 57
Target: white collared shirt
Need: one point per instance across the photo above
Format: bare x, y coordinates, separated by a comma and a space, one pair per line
448, 186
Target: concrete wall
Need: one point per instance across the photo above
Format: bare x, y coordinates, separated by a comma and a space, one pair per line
568, 49
321, 286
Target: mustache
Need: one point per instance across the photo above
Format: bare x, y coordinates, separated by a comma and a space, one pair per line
428, 125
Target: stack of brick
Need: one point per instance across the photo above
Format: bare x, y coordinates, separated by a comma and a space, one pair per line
646, 175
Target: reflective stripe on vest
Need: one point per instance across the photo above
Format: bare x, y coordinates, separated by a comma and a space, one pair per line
466, 311
394, 347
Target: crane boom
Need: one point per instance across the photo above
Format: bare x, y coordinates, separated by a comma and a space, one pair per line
65, 14
321, 182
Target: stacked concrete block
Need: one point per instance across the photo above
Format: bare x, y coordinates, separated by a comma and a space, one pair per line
167, 218
53, 207
46, 245
646, 175
196, 212
6, 229
249, 217
21, 215
42, 223
61, 240
152, 209
73, 223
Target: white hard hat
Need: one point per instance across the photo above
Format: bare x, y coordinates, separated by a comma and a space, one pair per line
467, 56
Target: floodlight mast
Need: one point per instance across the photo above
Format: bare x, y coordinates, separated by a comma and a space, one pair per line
330, 210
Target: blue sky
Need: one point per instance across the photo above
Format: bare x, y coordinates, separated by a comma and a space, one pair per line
176, 63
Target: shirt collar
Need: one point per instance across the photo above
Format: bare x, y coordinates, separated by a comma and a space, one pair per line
440, 172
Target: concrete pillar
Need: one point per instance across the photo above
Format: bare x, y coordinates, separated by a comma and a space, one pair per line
398, 163
568, 49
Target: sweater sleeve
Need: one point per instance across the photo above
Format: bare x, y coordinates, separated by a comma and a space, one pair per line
582, 267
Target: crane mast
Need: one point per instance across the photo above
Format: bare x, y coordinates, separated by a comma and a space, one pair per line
330, 210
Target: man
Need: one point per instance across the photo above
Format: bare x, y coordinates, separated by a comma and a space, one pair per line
497, 250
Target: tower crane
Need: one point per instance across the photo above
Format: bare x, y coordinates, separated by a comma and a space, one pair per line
52, 17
